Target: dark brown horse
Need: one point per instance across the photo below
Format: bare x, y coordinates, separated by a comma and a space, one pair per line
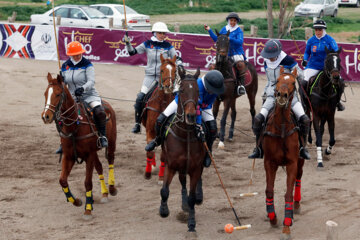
281, 148
157, 103
182, 151
324, 96
79, 140
225, 66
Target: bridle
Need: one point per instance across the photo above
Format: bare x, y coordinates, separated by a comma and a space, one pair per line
291, 95
329, 73
163, 79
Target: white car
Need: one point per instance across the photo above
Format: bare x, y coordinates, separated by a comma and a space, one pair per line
355, 3
73, 16
317, 8
116, 11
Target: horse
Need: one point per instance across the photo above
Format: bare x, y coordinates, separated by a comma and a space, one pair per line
159, 100
183, 152
225, 66
324, 97
79, 140
281, 148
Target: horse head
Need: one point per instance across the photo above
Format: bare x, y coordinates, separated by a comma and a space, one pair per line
332, 65
188, 96
285, 87
222, 46
167, 74
54, 96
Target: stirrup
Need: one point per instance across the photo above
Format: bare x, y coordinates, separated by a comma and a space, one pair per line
241, 90
102, 142
136, 128
59, 151
340, 106
151, 146
304, 153
257, 153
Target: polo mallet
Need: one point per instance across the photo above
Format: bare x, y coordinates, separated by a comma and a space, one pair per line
125, 23
222, 184
250, 194
57, 46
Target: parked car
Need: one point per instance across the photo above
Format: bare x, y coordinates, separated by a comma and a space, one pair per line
317, 8
353, 3
73, 16
116, 11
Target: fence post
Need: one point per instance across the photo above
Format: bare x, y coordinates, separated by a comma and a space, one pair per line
308, 33
58, 20
12, 18
111, 22
253, 30
177, 27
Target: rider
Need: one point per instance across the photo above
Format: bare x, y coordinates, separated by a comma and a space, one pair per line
153, 48
315, 50
210, 86
274, 59
79, 75
236, 51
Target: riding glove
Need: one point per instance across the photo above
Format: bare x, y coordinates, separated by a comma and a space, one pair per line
304, 63
126, 38
79, 91
200, 133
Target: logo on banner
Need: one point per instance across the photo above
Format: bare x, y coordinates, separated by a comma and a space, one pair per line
356, 63
16, 41
176, 43
255, 48
46, 38
120, 53
85, 39
211, 55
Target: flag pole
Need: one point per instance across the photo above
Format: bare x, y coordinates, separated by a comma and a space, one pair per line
56, 41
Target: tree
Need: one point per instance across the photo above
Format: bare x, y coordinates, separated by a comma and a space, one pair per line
270, 18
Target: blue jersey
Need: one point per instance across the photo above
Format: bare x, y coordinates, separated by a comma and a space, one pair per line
205, 100
236, 41
315, 50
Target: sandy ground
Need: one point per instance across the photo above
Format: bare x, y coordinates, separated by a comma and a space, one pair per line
33, 206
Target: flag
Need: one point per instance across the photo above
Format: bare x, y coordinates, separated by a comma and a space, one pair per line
49, 2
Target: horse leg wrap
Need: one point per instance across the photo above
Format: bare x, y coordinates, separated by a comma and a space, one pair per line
149, 162
297, 195
68, 194
111, 180
162, 169
89, 201
270, 208
289, 212
319, 154
103, 185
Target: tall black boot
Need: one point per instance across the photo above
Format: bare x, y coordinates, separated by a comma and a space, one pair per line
304, 123
100, 123
158, 139
240, 80
139, 103
210, 140
340, 91
257, 128
303, 93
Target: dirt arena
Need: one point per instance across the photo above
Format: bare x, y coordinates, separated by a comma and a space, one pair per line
33, 206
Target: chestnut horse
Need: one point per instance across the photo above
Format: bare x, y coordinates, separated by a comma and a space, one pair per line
79, 140
182, 151
159, 100
324, 97
225, 66
281, 148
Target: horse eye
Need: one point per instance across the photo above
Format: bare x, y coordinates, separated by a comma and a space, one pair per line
278, 94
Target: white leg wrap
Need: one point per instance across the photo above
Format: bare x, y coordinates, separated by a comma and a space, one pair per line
319, 154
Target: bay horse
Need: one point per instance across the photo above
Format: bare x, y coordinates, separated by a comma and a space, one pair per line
79, 140
159, 100
183, 152
281, 148
324, 97
225, 66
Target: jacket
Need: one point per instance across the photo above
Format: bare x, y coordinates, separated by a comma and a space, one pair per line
236, 41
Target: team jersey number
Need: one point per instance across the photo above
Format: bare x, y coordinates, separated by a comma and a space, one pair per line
314, 48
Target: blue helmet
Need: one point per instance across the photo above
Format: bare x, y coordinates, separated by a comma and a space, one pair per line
271, 49
214, 82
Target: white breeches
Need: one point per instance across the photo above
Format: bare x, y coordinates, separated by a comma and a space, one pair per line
309, 72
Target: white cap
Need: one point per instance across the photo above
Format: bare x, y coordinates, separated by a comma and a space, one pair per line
159, 27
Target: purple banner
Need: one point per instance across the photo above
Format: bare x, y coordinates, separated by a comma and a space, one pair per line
196, 50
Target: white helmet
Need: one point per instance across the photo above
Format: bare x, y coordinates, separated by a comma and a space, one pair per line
159, 27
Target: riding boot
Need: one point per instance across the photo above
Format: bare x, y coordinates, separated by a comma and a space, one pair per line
100, 123
257, 129
59, 151
340, 89
304, 124
303, 93
138, 111
158, 139
240, 79
210, 140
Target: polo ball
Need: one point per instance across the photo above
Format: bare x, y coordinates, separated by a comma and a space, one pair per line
229, 228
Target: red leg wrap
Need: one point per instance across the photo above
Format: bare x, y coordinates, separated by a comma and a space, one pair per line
271, 215
162, 169
297, 195
289, 211
270, 208
153, 161
148, 165
287, 221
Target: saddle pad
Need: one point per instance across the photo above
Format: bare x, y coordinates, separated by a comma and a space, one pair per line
248, 78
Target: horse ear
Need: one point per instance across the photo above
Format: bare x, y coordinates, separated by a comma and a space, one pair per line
326, 50
339, 51
294, 72
281, 69
59, 78
228, 33
181, 71
49, 77
197, 73
162, 58
217, 33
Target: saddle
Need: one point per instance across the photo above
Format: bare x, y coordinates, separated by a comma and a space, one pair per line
271, 115
147, 97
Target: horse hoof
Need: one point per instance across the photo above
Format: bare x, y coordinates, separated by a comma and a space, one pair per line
320, 166
87, 215
230, 139
327, 152
297, 207
221, 145
191, 229
147, 175
112, 190
164, 211
285, 236
104, 200
273, 222
77, 202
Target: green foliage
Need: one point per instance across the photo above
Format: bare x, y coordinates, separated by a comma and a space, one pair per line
23, 12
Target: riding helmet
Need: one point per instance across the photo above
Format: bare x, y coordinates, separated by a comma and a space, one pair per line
271, 49
160, 27
319, 24
214, 82
74, 48
233, 15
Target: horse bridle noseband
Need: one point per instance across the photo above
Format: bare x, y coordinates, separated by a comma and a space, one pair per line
172, 80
